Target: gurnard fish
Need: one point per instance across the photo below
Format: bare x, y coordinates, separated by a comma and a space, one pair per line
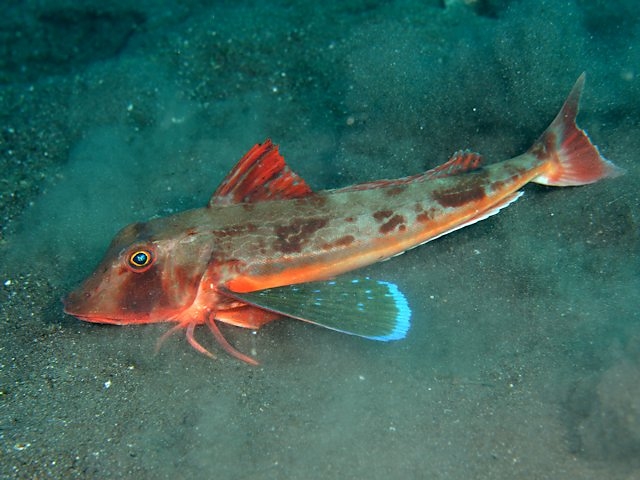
266, 246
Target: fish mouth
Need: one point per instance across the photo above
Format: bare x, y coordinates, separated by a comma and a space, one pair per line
88, 317
72, 305
95, 318
76, 304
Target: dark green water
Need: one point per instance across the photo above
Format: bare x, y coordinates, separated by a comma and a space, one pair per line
523, 360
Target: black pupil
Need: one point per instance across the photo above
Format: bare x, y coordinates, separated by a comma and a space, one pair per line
140, 259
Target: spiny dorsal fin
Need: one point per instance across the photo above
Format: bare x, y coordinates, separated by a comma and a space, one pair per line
460, 162
261, 174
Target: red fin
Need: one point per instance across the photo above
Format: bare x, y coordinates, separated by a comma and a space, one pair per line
460, 162
570, 156
261, 174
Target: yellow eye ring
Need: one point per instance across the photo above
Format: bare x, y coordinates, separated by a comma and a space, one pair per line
140, 259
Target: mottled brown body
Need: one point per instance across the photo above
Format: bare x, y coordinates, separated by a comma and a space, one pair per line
332, 232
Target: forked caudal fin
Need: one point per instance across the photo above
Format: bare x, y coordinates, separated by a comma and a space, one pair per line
570, 156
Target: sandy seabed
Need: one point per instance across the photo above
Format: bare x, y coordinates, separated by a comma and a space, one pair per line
523, 360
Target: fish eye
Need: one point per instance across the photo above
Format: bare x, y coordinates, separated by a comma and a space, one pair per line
140, 260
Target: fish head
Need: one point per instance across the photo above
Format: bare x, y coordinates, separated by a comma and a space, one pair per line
150, 273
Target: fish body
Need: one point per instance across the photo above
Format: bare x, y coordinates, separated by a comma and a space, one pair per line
267, 246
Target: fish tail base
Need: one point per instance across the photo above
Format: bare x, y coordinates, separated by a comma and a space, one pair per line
567, 152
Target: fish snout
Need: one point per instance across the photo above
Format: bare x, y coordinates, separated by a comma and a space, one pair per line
75, 302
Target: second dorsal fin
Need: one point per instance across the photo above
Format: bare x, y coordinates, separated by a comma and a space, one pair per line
261, 174
460, 162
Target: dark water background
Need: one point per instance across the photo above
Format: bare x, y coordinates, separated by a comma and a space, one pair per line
524, 356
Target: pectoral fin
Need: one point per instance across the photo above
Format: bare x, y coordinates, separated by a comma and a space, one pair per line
372, 309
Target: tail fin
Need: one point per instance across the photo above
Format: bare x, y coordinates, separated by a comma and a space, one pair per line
570, 156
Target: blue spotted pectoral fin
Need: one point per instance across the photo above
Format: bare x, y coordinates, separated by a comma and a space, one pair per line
369, 308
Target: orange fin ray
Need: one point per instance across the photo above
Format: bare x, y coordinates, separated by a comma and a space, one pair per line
167, 334
211, 323
261, 174
195, 344
190, 328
